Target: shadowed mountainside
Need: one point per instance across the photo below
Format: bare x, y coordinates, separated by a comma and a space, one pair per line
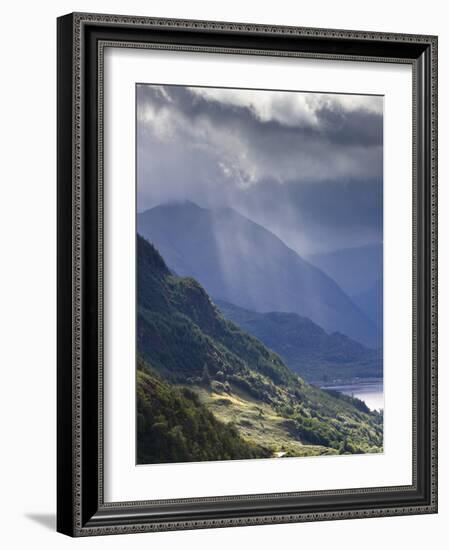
359, 272
371, 302
307, 348
355, 270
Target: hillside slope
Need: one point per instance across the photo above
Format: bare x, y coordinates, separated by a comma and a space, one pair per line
185, 338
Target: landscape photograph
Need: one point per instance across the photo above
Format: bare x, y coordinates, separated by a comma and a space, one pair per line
259, 273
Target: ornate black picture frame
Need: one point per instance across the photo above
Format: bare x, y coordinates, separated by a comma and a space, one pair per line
81, 509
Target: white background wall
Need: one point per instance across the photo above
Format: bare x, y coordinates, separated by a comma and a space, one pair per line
27, 273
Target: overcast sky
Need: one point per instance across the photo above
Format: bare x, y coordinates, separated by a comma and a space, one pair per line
308, 166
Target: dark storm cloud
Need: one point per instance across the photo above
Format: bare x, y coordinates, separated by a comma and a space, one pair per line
359, 127
330, 121
301, 164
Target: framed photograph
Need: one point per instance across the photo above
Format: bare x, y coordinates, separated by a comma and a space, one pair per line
247, 288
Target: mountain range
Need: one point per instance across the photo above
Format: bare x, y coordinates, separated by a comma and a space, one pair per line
207, 390
305, 347
241, 262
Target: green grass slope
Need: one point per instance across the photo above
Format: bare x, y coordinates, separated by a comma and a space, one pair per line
173, 426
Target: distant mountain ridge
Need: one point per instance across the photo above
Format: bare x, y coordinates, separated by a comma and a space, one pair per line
355, 270
241, 262
359, 272
307, 348
371, 302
